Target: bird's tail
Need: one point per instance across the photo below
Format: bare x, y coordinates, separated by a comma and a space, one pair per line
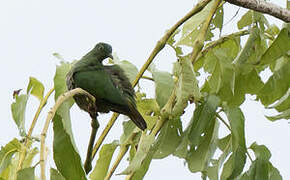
137, 118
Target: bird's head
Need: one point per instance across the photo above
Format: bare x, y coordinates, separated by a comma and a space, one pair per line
103, 51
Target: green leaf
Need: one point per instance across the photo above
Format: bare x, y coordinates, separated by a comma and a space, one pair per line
60, 87
261, 151
18, 112
283, 103
235, 164
55, 175
278, 48
65, 156
246, 20
143, 148
7, 152
223, 142
130, 69
103, 163
35, 88
163, 85
203, 115
276, 86
169, 138
191, 28
198, 157
26, 174
187, 87
282, 115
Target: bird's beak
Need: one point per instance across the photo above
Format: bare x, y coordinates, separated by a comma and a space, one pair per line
111, 56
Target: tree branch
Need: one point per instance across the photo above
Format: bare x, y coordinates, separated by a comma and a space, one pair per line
264, 7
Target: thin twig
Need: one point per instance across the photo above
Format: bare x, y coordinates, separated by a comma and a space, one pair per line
50, 115
35, 118
148, 78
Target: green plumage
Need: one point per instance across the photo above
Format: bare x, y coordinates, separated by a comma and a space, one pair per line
108, 84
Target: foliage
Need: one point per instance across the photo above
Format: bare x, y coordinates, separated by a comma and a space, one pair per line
234, 70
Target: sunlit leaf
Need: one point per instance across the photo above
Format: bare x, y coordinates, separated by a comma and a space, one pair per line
65, 156
103, 163
36, 88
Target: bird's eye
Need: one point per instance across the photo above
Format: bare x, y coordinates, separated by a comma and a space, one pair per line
101, 48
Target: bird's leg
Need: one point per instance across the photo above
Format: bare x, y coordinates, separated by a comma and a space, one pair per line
95, 125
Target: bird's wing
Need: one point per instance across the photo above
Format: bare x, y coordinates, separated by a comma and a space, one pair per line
121, 82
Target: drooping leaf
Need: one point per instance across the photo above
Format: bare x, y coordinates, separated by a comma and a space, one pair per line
36, 88
246, 20
278, 48
26, 174
163, 85
18, 112
203, 115
143, 148
235, 164
187, 87
169, 137
198, 157
65, 156
7, 152
276, 86
103, 163
55, 175
261, 151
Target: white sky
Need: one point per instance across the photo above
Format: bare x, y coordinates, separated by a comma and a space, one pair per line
31, 30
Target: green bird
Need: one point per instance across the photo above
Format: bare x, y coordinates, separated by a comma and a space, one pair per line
110, 87
108, 84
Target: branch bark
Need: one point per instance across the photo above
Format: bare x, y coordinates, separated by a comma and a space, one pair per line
264, 7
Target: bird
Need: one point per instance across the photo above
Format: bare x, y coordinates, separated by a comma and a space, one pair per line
110, 87
108, 84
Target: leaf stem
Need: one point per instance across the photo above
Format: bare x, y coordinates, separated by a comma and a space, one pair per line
35, 118
50, 115
223, 121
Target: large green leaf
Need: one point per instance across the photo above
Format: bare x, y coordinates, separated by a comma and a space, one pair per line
143, 148
278, 48
26, 174
7, 152
198, 157
276, 86
55, 175
60, 88
36, 88
235, 164
65, 156
103, 163
18, 112
163, 85
169, 137
203, 115
187, 87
